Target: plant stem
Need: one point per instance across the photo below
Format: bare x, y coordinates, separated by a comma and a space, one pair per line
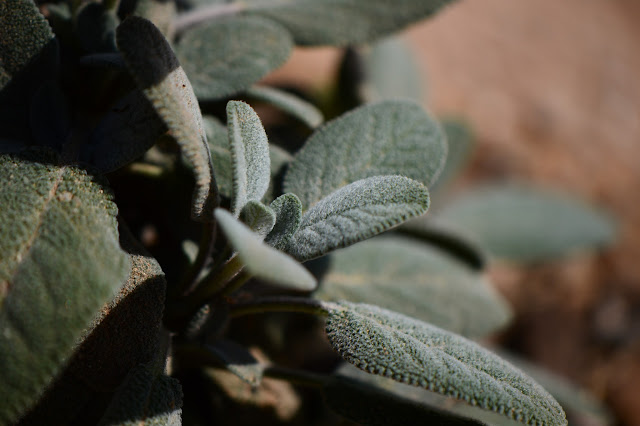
279, 304
202, 14
205, 250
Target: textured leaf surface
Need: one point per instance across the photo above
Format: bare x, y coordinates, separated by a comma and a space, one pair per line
249, 149
460, 141
404, 275
410, 351
60, 262
291, 104
527, 224
261, 260
342, 22
229, 55
258, 217
387, 138
145, 399
356, 212
158, 73
288, 211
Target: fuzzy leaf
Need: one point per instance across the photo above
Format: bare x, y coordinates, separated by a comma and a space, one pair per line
126, 132
258, 217
410, 351
528, 224
403, 275
60, 262
145, 399
291, 104
386, 138
288, 211
460, 141
262, 261
249, 149
356, 212
226, 56
157, 72
343, 22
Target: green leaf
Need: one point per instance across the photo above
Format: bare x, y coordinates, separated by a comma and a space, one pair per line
249, 149
404, 275
343, 22
460, 141
288, 211
60, 262
291, 104
228, 55
527, 224
410, 351
126, 132
157, 72
145, 399
258, 217
386, 138
356, 212
262, 261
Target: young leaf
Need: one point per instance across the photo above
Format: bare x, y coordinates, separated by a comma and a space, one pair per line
262, 261
356, 212
406, 276
386, 138
292, 105
249, 149
158, 73
225, 56
527, 224
410, 351
60, 262
258, 217
288, 211
145, 399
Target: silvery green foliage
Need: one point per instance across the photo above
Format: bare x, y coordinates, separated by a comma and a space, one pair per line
49, 294
356, 212
249, 149
407, 276
154, 66
292, 105
526, 224
414, 352
288, 211
224, 56
258, 217
261, 260
386, 138
460, 141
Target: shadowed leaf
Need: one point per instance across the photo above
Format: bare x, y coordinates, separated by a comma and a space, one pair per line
95, 27
258, 217
288, 211
356, 212
386, 138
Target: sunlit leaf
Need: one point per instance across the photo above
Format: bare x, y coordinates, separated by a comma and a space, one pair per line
288, 211
291, 104
386, 138
356, 212
258, 217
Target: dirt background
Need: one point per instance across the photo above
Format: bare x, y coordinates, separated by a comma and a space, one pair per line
551, 89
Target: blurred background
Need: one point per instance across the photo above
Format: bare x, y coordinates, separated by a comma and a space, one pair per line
550, 90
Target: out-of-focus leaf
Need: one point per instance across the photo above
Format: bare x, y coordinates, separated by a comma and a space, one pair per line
291, 104
460, 141
410, 351
238, 360
527, 224
145, 399
261, 260
258, 217
161, 13
249, 149
288, 211
356, 212
404, 275
60, 262
386, 138
227, 56
95, 27
126, 132
158, 73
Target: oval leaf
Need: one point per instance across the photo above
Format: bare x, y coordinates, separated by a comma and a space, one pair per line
406, 276
356, 212
157, 72
262, 261
291, 104
527, 224
410, 351
258, 217
288, 211
227, 56
249, 149
60, 262
387, 138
